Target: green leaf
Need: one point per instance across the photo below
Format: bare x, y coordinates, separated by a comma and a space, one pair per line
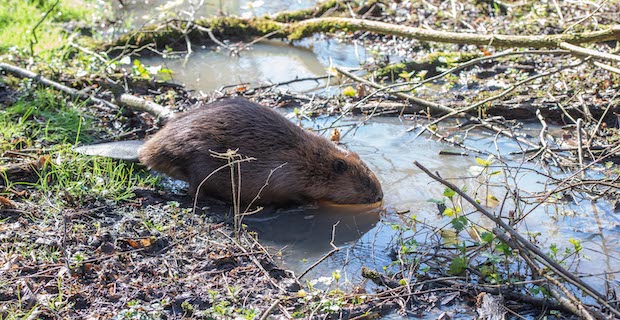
449, 193
457, 266
139, 68
504, 248
487, 237
459, 223
576, 244
405, 75
449, 212
483, 162
349, 92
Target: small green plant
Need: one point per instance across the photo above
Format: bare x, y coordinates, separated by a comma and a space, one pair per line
349, 92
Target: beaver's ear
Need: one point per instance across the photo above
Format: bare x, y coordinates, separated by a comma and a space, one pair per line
339, 166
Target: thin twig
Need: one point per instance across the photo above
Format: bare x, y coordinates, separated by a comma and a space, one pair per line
334, 250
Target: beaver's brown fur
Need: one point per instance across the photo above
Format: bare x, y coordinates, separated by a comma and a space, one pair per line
314, 168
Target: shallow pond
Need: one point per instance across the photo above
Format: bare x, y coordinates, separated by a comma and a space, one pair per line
303, 236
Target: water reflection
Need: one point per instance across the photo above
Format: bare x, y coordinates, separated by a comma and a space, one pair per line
310, 230
267, 62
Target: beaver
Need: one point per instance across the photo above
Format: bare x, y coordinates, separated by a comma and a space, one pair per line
291, 166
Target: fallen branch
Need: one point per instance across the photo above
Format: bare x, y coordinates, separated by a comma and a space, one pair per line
538, 254
256, 27
310, 26
127, 100
421, 102
23, 73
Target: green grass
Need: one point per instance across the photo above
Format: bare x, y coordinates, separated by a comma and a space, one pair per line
42, 118
19, 17
74, 179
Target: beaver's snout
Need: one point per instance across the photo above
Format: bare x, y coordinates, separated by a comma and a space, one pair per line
378, 198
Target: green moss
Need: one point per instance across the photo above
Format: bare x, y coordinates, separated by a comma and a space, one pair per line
299, 15
299, 31
18, 19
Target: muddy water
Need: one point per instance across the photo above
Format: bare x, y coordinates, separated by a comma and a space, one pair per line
303, 236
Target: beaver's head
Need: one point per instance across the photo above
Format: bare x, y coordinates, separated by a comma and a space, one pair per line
344, 180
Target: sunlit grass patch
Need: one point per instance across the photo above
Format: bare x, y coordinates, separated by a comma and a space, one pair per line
74, 179
42, 118
46, 122
19, 17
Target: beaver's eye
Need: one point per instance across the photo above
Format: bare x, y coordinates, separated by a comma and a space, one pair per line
339, 166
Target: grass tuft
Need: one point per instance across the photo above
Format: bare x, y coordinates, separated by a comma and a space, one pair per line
42, 118
75, 179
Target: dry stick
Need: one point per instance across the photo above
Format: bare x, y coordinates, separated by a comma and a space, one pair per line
421, 102
543, 130
586, 17
539, 255
255, 261
581, 51
498, 40
23, 73
593, 148
128, 100
580, 147
268, 311
139, 104
569, 303
566, 298
606, 67
334, 250
283, 83
195, 205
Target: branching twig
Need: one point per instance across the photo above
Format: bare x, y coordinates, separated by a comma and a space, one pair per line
539, 255
334, 250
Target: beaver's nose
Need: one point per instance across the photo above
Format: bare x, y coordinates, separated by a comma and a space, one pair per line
378, 198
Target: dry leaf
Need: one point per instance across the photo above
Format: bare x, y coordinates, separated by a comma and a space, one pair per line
141, 243
335, 137
5, 202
